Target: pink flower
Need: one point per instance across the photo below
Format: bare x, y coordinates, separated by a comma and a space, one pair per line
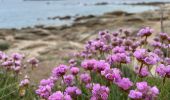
85, 78
118, 58
101, 65
68, 80
124, 83
148, 92
154, 91
73, 91
88, 64
48, 82
24, 82
144, 71
60, 70
140, 54
163, 36
58, 95
147, 31
44, 91
33, 61
17, 56
152, 59
112, 74
119, 49
100, 92
74, 70
135, 95
167, 70
142, 86
161, 70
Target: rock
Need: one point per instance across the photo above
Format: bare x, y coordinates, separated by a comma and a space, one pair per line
39, 26
101, 3
118, 13
134, 19
65, 18
51, 28
149, 3
25, 36
60, 18
84, 17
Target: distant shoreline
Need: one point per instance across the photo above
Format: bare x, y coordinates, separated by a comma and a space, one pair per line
69, 18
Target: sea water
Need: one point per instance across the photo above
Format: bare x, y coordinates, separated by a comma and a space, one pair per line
23, 13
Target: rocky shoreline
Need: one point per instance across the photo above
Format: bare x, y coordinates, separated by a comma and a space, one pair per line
51, 43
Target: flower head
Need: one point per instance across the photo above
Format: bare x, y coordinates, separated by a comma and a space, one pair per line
73, 91
58, 95
68, 79
85, 78
124, 83
135, 95
59, 71
74, 70
147, 31
100, 92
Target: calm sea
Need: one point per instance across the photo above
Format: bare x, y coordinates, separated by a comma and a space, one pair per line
20, 13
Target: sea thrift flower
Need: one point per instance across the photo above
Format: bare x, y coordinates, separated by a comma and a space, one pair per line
44, 91
154, 91
163, 36
161, 70
135, 95
147, 31
2, 55
140, 54
119, 49
101, 65
142, 86
118, 58
112, 74
17, 56
156, 44
24, 82
58, 95
48, 82
124, 83
59, 70
88, 64
33, 61
149, 93
152, 59
85, 78
167, 60
167, 70
68, 80
144, 71
74, 70
73, 91
100, 92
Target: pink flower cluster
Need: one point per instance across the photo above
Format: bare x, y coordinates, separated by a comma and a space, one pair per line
91, 73
144, 92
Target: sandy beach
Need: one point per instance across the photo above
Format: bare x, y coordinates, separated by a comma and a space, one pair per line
48, 42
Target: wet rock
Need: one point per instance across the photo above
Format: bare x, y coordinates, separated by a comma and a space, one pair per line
119, 13
60, 18
101, 3
84, 17
148, 3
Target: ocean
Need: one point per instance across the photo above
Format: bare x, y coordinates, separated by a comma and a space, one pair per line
24, 13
